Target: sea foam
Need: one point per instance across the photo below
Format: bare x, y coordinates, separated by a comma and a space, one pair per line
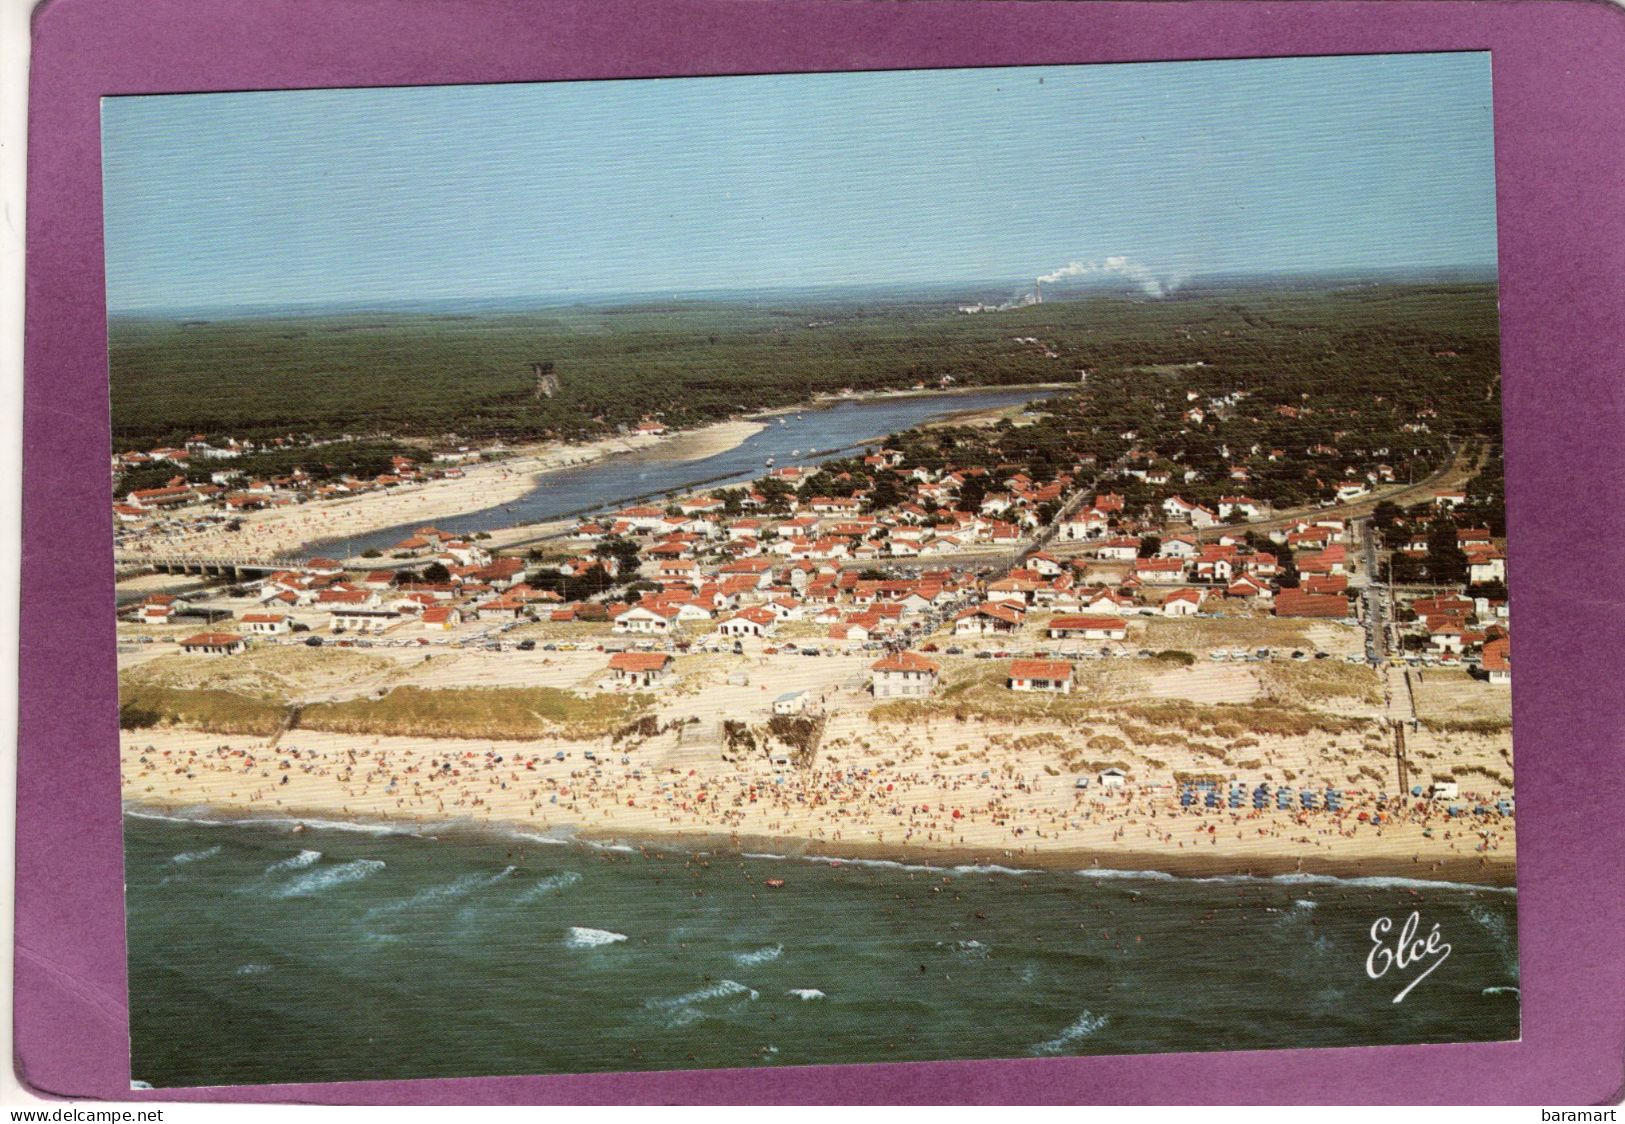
195, 856
759, 956
582, 937
434, 895
294, 862
805, 993
685, 1009
316, 881
552, 884
1085, 1025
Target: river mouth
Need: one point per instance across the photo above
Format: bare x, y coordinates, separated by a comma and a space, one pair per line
790, 437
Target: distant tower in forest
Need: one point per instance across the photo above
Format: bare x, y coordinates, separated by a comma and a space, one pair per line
547, 382
1038, 291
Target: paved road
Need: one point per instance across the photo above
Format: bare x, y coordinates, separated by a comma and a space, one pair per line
1373, 592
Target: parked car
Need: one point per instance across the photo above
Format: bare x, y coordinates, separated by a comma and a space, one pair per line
526, 645
313, 642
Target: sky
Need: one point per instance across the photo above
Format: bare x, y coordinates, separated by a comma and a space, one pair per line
593, 188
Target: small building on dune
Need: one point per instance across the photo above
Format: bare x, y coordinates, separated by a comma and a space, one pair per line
1088, 628
903, 675
214, 644
1300, 603
1054, 676
266, 624
639, 669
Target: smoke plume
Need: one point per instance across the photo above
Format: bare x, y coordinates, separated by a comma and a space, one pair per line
1119, 266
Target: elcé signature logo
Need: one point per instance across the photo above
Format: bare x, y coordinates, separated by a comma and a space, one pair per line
1407, 950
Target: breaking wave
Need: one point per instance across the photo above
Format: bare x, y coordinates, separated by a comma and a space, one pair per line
196, 856
759, 956
1085, 1025
685, 1009
451, 891
294, 862
552, 884
582, 937
325, 879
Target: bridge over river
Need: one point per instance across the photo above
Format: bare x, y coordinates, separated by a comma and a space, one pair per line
232, 567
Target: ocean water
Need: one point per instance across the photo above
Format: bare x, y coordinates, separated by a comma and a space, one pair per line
261, 954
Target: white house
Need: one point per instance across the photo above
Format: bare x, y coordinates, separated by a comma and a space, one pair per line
646, 619
639, 669
347, 619
266, 624
903, 675
1088, 628
214, 644
1183, 603
1054, 676
756, 621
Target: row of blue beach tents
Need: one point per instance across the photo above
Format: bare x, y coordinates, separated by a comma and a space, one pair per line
1206, 793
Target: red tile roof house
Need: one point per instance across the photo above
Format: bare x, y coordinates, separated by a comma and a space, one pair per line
267, 624
214, 644
1183, 603
1041, 675
856, 629
149, 498
646, 618
748, 622
1088, 628
1498, 661
1332, 560
1160, 571
903, 675
441, 618
639, 669
1298, 603
363, 620
1119, 550
501, 608
1329, 583
988, 618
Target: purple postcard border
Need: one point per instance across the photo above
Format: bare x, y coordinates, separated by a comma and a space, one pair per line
1559, 76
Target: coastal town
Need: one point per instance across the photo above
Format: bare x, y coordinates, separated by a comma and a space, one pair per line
1106, 651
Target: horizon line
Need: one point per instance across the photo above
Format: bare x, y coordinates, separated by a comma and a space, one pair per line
565, 297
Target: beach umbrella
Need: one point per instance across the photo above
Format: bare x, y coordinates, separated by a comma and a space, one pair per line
1363, 817
1416, 790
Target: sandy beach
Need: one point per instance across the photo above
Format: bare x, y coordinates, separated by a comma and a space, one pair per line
936, 791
